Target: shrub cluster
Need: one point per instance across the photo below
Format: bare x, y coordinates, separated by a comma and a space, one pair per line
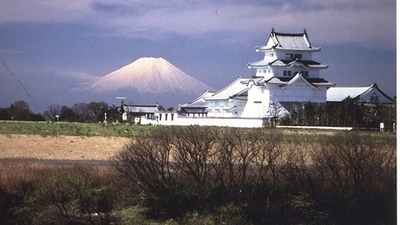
43, 193
262, 176
205, 175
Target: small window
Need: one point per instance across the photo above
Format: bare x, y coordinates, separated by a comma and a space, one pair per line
166, 116
305, 73
374, 98
172, 117
293, 56
160, 116
297, 56
287, 73
265, 71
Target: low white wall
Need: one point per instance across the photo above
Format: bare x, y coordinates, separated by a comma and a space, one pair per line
316, 127
213, 121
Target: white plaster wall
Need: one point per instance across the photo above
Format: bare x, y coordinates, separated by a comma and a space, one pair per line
257, 103
208, 121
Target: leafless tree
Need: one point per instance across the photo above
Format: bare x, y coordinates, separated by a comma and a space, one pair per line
52, 111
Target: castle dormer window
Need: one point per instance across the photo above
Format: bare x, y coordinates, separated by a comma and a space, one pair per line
293, 56
287, 73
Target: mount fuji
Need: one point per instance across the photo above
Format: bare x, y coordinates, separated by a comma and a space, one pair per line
147, 80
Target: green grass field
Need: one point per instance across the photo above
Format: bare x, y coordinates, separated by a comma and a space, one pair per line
72, 129
130, 130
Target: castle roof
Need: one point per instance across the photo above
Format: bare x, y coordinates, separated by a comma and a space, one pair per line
230, 90
141, 108
306, 64
338, 94
199, 101
288, 41
285, 81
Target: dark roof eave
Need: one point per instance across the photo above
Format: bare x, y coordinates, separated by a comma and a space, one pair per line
280, 49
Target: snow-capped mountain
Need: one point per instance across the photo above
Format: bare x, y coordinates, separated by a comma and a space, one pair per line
149, 75
146, 81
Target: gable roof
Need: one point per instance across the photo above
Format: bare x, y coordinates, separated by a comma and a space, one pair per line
239, 85
199, 101
299, 78
288, 41
338, 94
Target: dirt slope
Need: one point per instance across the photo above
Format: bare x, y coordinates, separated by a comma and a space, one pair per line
60, 147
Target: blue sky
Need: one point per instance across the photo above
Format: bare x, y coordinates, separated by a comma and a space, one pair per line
52, 46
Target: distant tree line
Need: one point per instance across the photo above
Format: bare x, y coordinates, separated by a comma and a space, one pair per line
79, 112
19, 110
84, 112
348, 113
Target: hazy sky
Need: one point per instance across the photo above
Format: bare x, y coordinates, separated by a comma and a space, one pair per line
52, 46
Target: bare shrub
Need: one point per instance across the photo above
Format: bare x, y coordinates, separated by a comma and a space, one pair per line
270, 175
356, 175
71, 196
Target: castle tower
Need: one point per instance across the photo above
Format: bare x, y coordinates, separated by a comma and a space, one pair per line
287, 76
285, 55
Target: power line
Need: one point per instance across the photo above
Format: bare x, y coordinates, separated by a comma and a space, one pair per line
20, 83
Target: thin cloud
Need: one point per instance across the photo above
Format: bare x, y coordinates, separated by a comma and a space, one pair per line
77, 76
9, 51
332, 22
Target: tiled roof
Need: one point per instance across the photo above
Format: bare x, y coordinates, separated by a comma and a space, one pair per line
288, 41
289, 80
338, 94
235, 87
286, 63
141, 108
294, 41
199, 101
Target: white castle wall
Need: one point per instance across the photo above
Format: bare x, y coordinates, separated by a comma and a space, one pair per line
173, 118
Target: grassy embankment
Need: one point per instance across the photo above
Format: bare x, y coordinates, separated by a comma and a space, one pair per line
71, 129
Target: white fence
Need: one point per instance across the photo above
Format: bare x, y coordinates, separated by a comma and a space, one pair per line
172, 118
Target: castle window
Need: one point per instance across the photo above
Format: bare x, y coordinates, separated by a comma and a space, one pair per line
374, 98
293, 56
305, 73
265, 71
287, 73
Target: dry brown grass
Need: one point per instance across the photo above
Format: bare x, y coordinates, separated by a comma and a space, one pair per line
60, 147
